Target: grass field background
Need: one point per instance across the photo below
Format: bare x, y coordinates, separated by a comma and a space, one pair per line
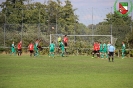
65, 72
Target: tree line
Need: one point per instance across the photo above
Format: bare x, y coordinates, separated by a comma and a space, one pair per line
53, 13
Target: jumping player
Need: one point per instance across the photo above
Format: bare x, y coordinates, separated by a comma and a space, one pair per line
123, 50
52, 47
19, 47
31, 47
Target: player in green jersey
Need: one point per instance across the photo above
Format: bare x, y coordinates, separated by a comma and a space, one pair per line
123, 50
13, 48
101, 50
105, 50
52, 47
62, 48
36, 53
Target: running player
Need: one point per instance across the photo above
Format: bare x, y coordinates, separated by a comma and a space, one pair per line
31, 47
19, 47
52, 47
123, 50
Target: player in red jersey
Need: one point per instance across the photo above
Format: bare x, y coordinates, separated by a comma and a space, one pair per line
19, 47
98, 53
95, 49
65, 40
31, 47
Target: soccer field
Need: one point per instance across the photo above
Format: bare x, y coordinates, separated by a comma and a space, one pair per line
65, 72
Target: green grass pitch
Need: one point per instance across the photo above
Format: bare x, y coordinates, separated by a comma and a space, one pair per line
67, 72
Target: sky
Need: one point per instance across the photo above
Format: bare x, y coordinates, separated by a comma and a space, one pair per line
91, 11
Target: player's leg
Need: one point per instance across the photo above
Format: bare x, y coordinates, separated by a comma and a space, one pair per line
112, 54
18, 51
65, 46
123, 54
93, 53
109, 56
103, 54
52, 52
34, 52
62, 54
98, 54
30, 53
14, 51
106, 54
11, 51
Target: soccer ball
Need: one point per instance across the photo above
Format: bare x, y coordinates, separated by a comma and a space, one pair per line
52, 27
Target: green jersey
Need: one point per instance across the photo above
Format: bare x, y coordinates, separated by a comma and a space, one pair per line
62, 46
123, 47
52, 45
35, 47
13, 48
104, 47
59, 39
101, 47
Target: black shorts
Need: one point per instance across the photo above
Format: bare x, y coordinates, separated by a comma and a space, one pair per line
19, 50
111, 53
65, 43
31, 51
94, 51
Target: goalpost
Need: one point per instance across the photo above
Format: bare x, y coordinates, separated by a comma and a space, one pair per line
83, 38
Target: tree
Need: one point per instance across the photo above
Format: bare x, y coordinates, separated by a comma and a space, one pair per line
120, 26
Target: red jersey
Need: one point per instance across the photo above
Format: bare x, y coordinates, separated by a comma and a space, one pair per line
31, 46
19, 45
98, 46
65, 39
95, 47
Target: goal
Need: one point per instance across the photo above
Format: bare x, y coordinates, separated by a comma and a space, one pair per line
83, 41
